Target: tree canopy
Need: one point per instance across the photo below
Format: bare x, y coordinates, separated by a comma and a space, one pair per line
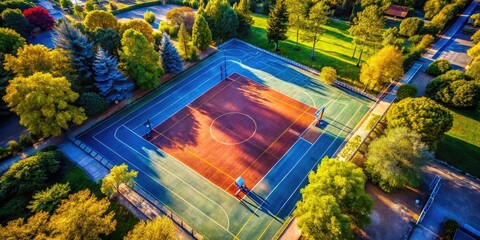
455, 88
10, 41
297, 12
39, 17
14, 19
382, 68
44, 103
394, 160
328, 75
244, 15
201, 34
277, 23
48, 199
313, 26
171, 60
34, 227
138, 25
99, 19
422, 115
158, 228
411, 26
118, 175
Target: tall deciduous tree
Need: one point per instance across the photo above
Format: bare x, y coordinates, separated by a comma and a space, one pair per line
158, 228
382, 68
342, 185
317, 17
118, 175
14, 19
79, 49
278, 23
140, 26
31, 59
244, 15
424, 116
36, 227
39, 17
111, 83
368, 28
394, 160
171, 60
183, 42
201, 34
82, 216
297, 12
140, 60
99, 19
44, 103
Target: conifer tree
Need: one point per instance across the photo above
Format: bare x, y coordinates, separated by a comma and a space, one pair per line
183, 40
244, 15
201, 34
171, 60
111, 83
278, 23
79, 49
228, 24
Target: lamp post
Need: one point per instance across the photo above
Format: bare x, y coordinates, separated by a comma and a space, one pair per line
148, 124
225, 62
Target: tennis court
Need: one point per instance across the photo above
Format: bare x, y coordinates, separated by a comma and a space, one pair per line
207, 131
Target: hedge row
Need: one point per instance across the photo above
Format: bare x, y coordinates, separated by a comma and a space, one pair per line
136, 6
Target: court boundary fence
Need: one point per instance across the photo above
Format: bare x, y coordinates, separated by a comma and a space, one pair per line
299, 65
433, 189
143, 193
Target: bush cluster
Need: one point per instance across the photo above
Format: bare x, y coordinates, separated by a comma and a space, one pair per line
439, 67
149, 16
454, 88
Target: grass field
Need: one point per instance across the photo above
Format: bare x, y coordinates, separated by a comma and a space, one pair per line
334, 49
460, 146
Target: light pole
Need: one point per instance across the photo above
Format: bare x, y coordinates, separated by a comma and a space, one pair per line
225, 62
148, 124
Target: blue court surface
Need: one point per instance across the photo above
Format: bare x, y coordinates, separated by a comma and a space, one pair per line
213, 212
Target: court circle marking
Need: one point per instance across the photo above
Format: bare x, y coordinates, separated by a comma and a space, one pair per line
233, 143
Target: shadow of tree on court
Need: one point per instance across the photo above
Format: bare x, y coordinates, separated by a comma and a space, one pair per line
180, 130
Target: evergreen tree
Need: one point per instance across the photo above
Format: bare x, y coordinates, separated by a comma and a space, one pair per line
171, 60
201, 34
244, 15
111, 83
80, 50
228, 25
214, 12
183, 40
278, 23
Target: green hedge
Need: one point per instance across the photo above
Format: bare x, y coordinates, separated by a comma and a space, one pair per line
136, 6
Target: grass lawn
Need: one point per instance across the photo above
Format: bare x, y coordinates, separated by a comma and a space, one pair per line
16, 207
460, 146
334, 49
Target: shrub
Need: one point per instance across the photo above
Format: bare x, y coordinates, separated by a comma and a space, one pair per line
169, 29
77, 10
93, 103
475, 19
411, 26
439, 67
157, 40
406, 91
26, 141
372, 121
48, 199
65, 4
149, 16
476, 37
474, 70
328, 75
415, 39
13, 147
449, 229
39, 17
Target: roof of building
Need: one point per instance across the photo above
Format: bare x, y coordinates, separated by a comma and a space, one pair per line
397, 10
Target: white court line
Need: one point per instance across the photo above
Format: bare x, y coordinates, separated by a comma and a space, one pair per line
164, 90
169, 188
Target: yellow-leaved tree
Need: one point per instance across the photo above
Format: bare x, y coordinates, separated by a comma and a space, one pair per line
44, 103
382, 68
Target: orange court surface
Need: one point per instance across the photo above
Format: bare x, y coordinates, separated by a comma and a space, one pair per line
237, 128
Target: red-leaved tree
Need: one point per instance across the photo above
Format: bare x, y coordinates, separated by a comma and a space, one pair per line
39, 17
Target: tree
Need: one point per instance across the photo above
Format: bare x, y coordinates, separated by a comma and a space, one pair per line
213, 14
10, 41
411, 26
367, 28
201, 34
350, 147
474, 52
317, 17
29, 175
390, 37
297, 12
228, 25
99, 19
433, 7
108, 39
140, 60
454, 88
474, 70
111, 83
320, 217
44, 103
66, 4
394, 160
328, 75
439, 67
78, 48
158, 228
476, 37
149, 16
34, 228
138, 25
476, 19
422, 115
277, 23
31, 59
183, 42
406, 91
14, 19
15, 4
48, 199
78, 10
244, 16
82, 216
171, 60
39, 17
93, 103
118, 175
181, 15
382, 68
344, 185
